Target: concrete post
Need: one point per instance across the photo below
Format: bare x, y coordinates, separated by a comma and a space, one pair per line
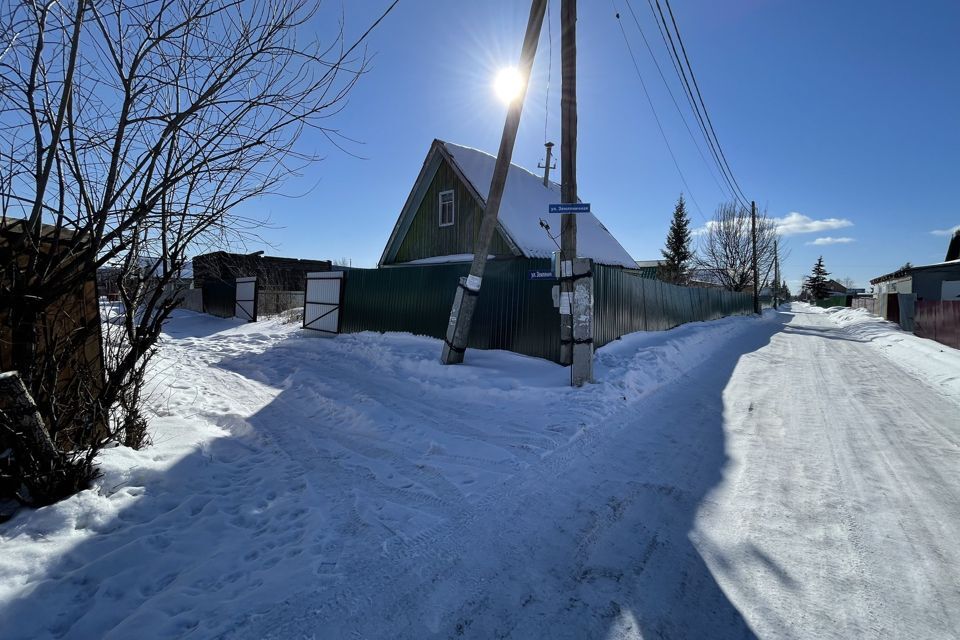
581, 370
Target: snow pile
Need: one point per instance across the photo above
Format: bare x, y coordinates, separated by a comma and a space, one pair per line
280, 458
526, 200
936, 363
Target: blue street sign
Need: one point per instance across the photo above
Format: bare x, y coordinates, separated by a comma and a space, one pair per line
543, 274
574, 207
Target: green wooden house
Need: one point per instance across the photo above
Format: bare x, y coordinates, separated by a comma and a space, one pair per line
441, 218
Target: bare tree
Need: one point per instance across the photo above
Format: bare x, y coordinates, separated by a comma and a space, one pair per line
130, 133
725, 255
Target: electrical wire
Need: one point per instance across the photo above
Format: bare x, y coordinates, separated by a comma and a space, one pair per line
643, 85
698, 108
673, 98
700, 96
546, 115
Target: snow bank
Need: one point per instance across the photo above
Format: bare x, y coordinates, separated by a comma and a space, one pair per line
937, 364
280, 457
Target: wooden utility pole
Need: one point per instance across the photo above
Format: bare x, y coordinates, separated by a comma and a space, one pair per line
568, 170
576, 283
776, 273
756, 269
461, 314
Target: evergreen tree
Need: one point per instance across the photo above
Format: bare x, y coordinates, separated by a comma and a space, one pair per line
817, 281
784, 291
677, 253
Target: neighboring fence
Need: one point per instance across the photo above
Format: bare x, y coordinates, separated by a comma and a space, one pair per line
272, 302
624, 303
906, 303
864, 303
513, 312
938, 320
834, 301
192, 299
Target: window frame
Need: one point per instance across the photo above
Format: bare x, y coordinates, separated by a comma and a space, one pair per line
453, 208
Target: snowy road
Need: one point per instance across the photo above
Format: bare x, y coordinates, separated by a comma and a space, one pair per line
791, 477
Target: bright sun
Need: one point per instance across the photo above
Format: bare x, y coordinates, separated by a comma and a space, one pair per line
508, 84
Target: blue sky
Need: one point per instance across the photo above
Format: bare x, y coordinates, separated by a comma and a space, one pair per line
843, 113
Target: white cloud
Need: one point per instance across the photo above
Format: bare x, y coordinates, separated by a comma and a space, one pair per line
946, 232
794, 223
829, 240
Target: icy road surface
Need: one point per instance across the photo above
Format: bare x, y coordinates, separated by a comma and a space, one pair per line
791, 477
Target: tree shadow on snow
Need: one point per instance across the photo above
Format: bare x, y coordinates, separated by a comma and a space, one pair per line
246, 536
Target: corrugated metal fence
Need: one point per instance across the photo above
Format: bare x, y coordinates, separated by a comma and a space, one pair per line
273, 301
513, 312
624, 303
938, 320
864, 303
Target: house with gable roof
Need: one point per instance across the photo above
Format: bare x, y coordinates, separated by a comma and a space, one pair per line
440, 219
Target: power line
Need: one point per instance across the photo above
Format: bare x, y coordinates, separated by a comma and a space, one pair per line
657, 118
688, 94
546, 114
705, 112
698, 108
673, 98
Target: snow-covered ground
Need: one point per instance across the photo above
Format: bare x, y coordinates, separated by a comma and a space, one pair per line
792, 476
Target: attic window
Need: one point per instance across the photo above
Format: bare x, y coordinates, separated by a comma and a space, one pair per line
446, 208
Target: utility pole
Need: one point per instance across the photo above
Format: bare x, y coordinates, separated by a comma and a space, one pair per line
468, 289
546, 166
776, 273
576, 282
756, 269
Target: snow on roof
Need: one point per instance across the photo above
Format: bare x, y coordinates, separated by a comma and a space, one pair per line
906, 272
526, 200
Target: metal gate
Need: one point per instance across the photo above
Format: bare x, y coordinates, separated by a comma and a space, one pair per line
322, 300
246, 304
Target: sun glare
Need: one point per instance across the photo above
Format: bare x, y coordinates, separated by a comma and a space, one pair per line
508, 84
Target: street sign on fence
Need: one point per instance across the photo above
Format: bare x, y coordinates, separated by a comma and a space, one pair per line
570, 207
541, 274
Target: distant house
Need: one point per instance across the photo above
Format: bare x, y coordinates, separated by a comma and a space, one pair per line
440, 220
925, 283
274, 272
835, 288
216, 274
650, 268
938, 281
151, 267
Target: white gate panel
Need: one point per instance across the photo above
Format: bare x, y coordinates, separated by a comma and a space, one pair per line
322, 299
246, 305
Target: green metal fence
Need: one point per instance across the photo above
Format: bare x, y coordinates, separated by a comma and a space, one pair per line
513, 313
834, 301
624, 303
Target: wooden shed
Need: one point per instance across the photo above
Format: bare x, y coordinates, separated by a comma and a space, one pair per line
69, 328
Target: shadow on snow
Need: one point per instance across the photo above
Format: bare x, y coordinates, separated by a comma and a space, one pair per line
592, 540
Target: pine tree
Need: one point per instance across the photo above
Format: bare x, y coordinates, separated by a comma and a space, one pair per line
784, 291
677, 253
817, 282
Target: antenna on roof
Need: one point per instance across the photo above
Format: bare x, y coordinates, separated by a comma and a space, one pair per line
546, 166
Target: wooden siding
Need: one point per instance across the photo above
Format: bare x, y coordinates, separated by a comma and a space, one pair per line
57, 330
426, 238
